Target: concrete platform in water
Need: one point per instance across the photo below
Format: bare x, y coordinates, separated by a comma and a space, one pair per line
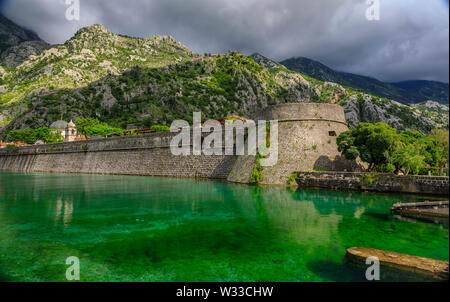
399, 267
435, 211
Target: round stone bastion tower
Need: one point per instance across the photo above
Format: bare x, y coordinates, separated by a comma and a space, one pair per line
307, 135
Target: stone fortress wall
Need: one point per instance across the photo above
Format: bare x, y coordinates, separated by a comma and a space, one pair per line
132, 155
307, 141
307, 135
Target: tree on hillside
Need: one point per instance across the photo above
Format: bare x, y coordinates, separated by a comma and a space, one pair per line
427, 146
373, 143
30, 136
23, 135
92, 126
408, 158
160, 128
384, 150
442, 137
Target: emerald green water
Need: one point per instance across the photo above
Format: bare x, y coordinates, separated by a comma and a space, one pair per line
125, 228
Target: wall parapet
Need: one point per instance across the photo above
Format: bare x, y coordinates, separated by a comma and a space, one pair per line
145, 141
154, 140
380, 182
304, 112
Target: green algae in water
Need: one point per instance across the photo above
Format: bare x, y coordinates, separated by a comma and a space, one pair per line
125, 228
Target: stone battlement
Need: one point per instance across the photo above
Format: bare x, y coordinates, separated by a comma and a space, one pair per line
154, 140
304, 112
307, 135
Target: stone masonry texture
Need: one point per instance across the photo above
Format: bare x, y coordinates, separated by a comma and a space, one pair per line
379, 182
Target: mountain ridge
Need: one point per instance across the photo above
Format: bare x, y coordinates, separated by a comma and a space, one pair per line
17, 44
142, 81
404, 91
12, 34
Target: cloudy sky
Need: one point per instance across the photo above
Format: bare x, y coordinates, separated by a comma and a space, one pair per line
410, 41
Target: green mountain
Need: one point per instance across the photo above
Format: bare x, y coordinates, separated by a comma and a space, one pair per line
217, 85
133, 81
91, 54
408, 92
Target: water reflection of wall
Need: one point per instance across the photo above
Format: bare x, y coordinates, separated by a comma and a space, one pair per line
302, 215
312, 218
64, 194
64, 211
285, 209
293, 217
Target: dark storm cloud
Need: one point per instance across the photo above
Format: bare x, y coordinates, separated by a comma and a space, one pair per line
409, 42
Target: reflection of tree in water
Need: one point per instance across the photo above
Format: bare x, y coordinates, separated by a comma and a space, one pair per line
348, 203
366, 221
329, 202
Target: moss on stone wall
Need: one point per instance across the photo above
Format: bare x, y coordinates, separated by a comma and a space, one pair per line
257, 173
367, 180
291, 179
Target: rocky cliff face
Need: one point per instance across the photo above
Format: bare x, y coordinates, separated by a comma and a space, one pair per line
364, 108
92, 54
17, 45
217, 86
16, 55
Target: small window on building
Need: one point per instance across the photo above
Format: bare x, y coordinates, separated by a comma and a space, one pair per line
332, 133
